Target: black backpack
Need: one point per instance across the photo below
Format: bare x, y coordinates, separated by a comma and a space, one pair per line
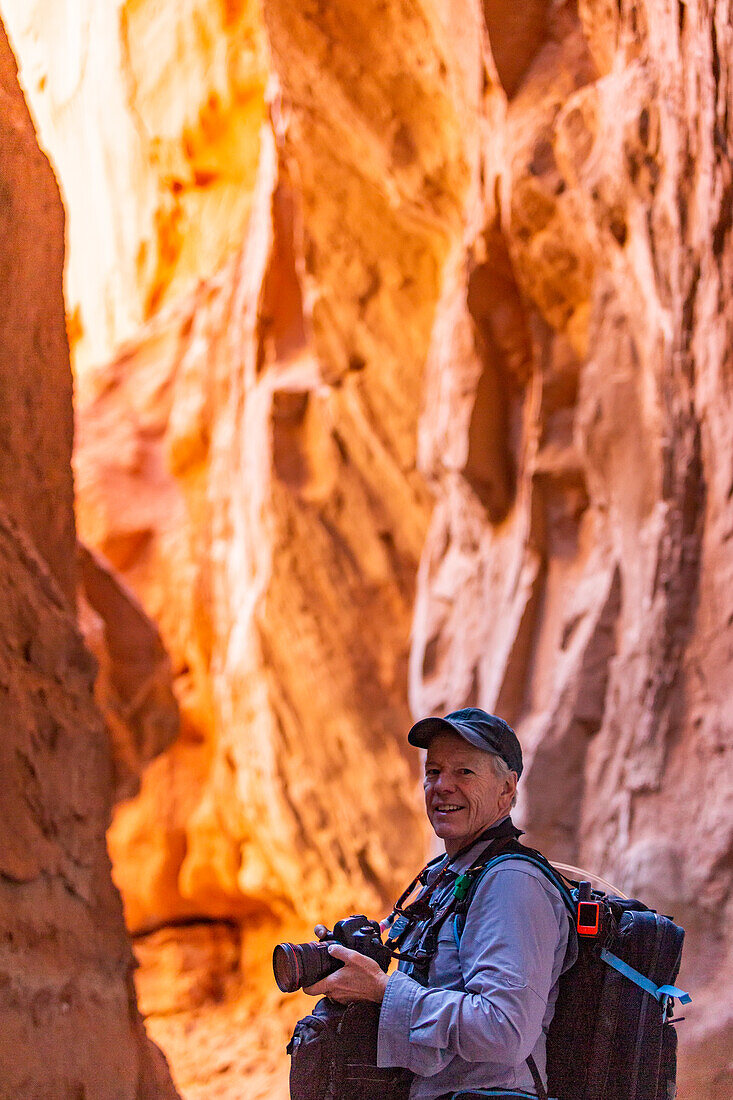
612, 1036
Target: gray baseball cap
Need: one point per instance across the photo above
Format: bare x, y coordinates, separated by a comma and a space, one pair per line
484, 731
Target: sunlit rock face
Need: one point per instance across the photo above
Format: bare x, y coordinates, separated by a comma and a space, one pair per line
151, 114
69, 1024
577, 434
283, 584
238, 496
454, 419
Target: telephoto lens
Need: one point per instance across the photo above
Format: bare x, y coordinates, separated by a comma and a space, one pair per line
302, 964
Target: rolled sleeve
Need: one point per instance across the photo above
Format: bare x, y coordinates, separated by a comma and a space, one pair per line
507, 951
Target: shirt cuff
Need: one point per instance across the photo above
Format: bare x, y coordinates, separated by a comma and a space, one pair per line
393, 1038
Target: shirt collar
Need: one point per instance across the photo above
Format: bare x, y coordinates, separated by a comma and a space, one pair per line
463, 861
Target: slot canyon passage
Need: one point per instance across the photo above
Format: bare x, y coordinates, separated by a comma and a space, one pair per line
402, 334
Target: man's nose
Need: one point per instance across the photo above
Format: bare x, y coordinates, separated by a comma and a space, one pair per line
443, 783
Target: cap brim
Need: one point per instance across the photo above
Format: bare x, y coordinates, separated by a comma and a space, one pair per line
425, 730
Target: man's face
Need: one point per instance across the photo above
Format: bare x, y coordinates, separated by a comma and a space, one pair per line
463, 795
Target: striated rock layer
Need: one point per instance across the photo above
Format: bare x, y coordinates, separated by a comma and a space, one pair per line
453, 420
69, 1024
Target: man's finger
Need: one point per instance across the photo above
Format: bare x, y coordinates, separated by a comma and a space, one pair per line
343, 954
314, 990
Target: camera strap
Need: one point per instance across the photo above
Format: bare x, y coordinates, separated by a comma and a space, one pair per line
440, 898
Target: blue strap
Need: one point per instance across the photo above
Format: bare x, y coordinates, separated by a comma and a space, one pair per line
658, 992
547, 870
494, 1092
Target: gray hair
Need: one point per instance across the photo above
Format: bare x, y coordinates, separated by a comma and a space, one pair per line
502, 770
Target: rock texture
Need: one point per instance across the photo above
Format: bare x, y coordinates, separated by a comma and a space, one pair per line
454, 421
157, 158
575, 571
133, 685
35, 471
237, 497
283, 587
69, 1024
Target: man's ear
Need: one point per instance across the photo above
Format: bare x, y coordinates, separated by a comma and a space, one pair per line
509, 790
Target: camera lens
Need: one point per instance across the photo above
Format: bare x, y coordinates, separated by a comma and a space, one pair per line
301, 964
286, 966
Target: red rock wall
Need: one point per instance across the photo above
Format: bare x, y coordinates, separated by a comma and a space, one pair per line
151, 114
574, 577
454, 422
36, 418
69, 1024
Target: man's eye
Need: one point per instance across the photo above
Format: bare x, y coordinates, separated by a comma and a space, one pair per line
430, 773
465, 771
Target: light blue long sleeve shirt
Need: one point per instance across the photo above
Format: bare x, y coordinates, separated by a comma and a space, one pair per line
491, 997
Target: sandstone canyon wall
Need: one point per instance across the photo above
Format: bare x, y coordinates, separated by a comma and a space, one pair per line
152, 115
450, 422
69, 1024
576, 571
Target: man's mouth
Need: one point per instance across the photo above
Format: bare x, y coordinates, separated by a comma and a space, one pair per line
447, 808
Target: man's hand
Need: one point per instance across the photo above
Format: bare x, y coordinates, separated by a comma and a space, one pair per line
359, 979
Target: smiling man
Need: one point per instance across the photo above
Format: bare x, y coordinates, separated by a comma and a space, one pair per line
482, 950
467, 789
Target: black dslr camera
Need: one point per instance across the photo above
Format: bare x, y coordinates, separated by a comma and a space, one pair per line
303, 964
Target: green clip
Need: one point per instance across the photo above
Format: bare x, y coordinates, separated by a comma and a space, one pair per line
461, 887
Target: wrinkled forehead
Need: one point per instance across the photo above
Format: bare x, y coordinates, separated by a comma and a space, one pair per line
447, 747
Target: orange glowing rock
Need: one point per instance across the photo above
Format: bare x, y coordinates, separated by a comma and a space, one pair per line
70, 1022
446, 419
151, 114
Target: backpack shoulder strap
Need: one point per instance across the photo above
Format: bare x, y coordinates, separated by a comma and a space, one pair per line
516, 851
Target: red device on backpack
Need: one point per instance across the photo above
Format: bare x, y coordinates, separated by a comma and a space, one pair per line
588, 913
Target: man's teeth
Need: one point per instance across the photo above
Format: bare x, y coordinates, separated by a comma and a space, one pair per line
448, 809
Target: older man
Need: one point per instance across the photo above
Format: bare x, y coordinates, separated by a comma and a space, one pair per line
468, 1010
